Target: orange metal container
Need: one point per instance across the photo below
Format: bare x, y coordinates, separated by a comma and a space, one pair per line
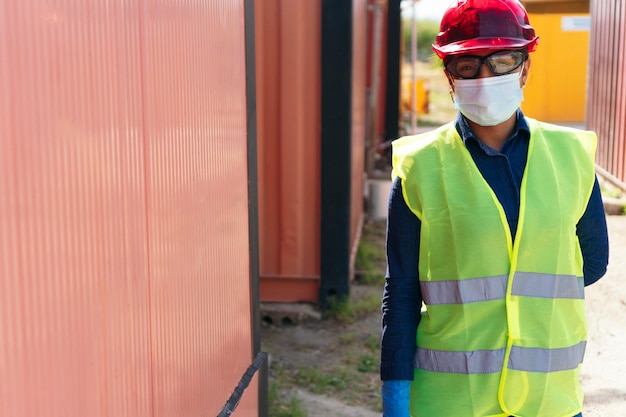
288, 108
289, 76
124, 248
606, 109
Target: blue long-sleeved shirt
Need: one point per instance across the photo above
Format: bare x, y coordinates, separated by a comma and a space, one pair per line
503, 171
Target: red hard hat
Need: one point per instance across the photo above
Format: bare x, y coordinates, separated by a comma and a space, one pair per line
473, 25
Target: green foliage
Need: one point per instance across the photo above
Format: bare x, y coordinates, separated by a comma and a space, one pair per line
427, 31
348, 311
367, 363
368, 257
321, 382
278, 407
373, 343
370, 260
347, 338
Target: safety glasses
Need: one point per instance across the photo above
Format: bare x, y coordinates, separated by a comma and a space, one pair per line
500, 63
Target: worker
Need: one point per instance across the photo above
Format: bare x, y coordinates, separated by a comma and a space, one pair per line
495, 225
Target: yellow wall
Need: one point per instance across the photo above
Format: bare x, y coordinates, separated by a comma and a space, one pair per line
557, 85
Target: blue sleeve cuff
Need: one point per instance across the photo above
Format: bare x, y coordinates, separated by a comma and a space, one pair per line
396, 397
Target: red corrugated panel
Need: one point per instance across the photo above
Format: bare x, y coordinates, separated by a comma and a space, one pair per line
606, 109
124, 210
376, 68
359, 102
620, 150
593, 82
382, 91
288, 37
375, 136
75, 319
195, 128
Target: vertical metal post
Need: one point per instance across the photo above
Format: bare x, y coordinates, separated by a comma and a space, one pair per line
336, 150
253, 204
392, 102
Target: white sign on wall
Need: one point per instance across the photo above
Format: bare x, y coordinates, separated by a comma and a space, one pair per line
576, 23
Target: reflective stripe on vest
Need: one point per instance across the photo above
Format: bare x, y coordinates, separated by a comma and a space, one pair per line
494, 288
548, 286
490, 361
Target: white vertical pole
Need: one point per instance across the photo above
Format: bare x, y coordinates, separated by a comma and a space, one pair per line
413, 69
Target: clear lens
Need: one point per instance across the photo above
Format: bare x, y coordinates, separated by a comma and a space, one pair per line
500, 63
465, 66
504, 62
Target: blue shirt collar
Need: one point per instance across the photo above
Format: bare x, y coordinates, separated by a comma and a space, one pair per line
521, 130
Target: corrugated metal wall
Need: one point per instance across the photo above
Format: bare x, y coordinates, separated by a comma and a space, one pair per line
606, 107
288, 98
125, 283
377, 16
289, 89
359, 119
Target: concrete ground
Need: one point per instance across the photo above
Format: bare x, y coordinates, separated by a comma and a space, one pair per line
604, 370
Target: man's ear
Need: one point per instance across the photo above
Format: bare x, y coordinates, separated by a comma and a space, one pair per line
450, 80
525, 71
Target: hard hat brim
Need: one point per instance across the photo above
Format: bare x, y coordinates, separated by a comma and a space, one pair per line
484, 44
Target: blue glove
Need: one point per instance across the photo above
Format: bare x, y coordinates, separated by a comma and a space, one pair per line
396, 395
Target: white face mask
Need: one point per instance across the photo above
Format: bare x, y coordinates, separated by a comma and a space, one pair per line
488, 101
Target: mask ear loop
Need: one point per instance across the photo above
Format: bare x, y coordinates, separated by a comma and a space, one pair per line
451, 82
522, 73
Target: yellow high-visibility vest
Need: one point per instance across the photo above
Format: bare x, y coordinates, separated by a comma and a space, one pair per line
504, 330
